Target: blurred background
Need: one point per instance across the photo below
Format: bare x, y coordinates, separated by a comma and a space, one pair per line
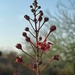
61, 13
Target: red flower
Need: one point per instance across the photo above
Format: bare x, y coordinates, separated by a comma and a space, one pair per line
19, 59
44, 46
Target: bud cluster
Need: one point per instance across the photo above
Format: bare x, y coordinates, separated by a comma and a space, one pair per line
39, 47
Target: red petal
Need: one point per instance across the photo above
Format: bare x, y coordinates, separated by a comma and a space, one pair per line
50, 43
38, 43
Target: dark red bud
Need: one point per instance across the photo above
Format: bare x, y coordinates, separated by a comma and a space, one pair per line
19, 59
39, 7
19, 46
41, 13
40, 38
27, 17
40, 62
33, 10
56, 57
28, 39
26, 29
34, 66
24, 34
46, 19
40, 18
35, 20
31, 6
52, 28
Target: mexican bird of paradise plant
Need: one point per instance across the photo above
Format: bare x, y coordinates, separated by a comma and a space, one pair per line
40, 46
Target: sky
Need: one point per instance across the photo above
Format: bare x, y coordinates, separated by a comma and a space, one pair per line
12, 23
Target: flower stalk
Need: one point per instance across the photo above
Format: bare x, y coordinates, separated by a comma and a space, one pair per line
39, 46
29, 55
46, 64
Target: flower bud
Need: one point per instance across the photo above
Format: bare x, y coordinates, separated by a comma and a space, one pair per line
26, 29
52, 28
34, 66
40, 38
33, 10
46, 19
19, 59
19, 46
39, 7
24, 34
27, 17
40, 62
35, 20
56, 57
31, 6
28, 39
40, 18
35, 3
41, 13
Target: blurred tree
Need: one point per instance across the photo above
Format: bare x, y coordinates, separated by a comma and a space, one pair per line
0, 53
8, 66
64, 36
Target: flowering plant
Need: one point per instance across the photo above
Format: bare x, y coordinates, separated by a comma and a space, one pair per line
40, 46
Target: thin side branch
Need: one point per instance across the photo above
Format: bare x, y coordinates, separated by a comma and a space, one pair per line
48, 34
32, 34
30, 67
29, 55
41, 26
47, 64
33, 48
27, 65
31, 25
